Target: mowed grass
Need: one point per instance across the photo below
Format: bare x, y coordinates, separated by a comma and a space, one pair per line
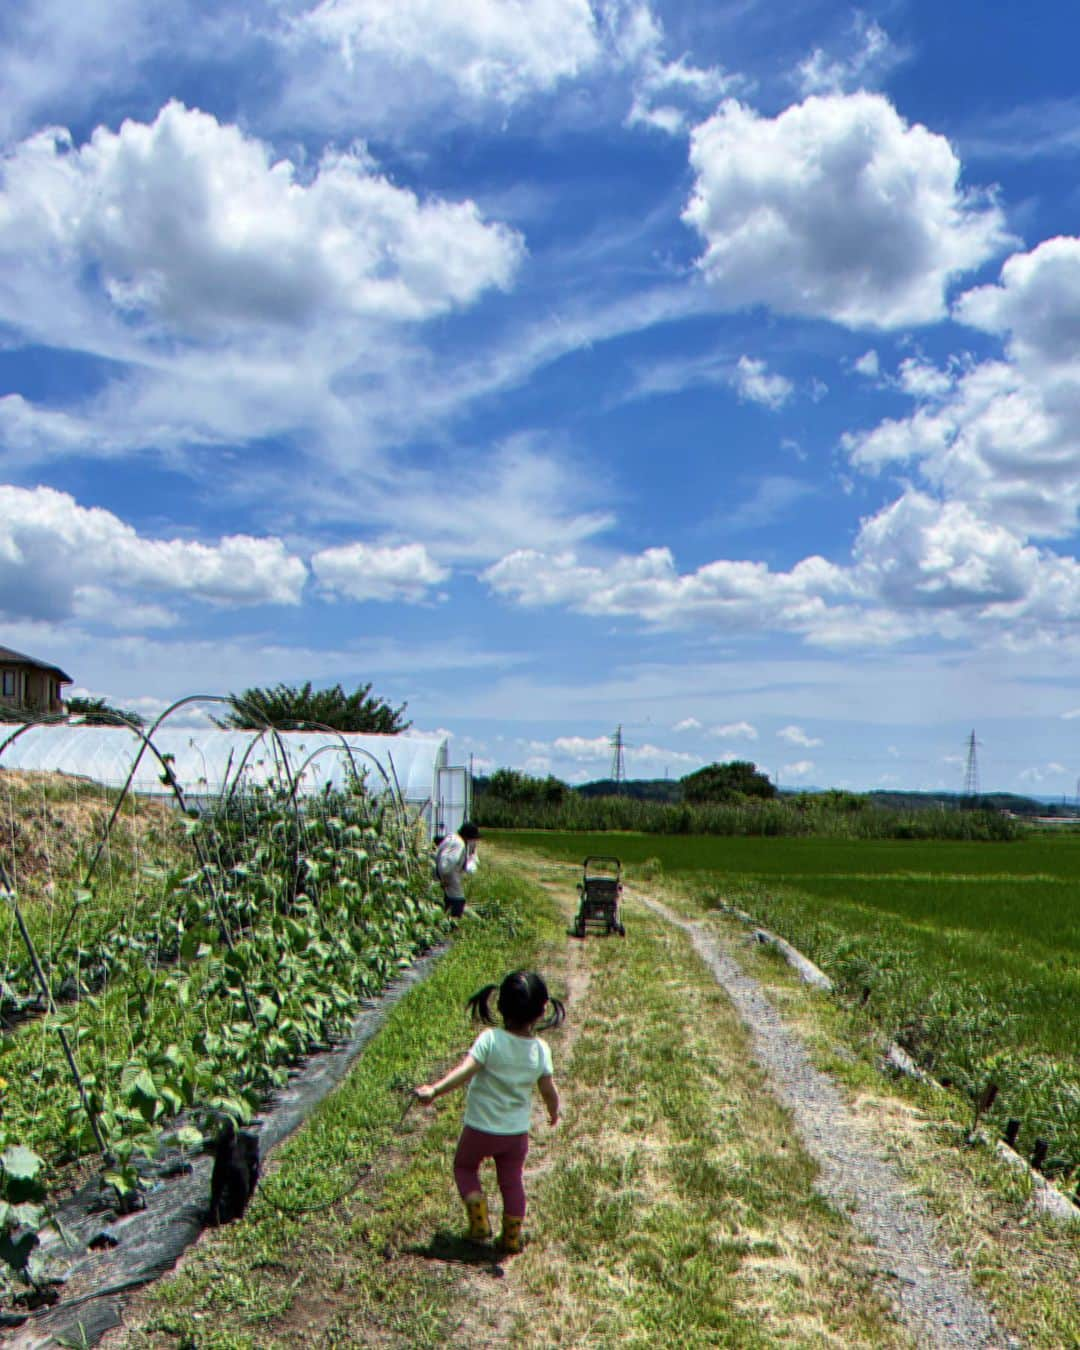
967, 953
680, 1208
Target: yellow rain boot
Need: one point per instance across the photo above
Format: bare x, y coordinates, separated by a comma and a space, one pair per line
479, 1224
512, 1241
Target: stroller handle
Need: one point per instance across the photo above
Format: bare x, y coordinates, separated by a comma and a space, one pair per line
602, 858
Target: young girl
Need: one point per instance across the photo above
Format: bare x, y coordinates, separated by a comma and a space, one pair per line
501, 1069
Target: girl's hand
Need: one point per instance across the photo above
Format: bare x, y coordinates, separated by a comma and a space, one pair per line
425, 1093
553, 1120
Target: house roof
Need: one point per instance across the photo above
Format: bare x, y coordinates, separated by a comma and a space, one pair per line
18, 659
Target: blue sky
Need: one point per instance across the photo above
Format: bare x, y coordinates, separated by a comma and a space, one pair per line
712, 371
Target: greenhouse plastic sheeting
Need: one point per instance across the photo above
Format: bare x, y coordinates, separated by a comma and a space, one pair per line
205, 762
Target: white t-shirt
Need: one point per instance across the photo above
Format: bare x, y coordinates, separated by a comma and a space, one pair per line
452, 862
499, 1098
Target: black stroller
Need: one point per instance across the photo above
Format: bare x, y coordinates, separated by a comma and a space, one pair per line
600, 889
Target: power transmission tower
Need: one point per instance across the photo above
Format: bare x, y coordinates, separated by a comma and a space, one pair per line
971, 775
618, 764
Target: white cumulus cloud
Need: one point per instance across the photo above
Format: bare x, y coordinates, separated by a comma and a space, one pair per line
653, 756
741, 595
489, 49
737, 731
665, 91
372, 572
59, 559
796, 736
871, 53
1036, 303
921, 554
1005, 442
754, 384
190, 223
920, 566
584, 747
837, 209
1001, 435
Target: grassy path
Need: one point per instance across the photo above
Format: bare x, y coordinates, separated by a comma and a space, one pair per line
935, 1295
674, 1204
679, 1206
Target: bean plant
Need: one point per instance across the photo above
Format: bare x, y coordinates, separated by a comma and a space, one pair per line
261, 941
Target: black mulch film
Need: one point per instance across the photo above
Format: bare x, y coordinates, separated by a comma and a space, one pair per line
106, 1256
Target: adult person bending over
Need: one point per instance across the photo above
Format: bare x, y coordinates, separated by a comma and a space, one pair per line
454, 858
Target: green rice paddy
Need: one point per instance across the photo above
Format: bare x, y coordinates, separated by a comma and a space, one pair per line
967, 953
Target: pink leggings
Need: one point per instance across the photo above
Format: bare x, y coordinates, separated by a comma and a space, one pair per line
508, 1150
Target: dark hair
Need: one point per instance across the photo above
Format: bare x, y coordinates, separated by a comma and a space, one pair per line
469, 831
523, 996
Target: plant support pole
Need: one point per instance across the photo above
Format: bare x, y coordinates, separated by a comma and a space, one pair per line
9, 891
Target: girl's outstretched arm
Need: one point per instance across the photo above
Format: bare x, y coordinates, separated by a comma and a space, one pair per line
468, 1068
550, 1094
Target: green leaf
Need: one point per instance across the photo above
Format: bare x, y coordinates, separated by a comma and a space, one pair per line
143, 1085
187, 1137
21, 1163
123, 1182
172, 1099
28, 1215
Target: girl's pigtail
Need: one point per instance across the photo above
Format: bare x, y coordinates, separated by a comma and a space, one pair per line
478, 1005
555, 1017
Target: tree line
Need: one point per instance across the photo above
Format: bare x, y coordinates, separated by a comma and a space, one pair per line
280, 705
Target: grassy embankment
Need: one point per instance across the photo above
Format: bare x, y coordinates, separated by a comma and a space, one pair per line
673, 1202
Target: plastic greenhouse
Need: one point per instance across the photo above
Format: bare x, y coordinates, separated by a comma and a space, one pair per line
207, 763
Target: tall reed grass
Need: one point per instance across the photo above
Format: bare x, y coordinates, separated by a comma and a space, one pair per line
750, 817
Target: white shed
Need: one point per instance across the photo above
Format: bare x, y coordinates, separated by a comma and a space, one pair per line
206, 762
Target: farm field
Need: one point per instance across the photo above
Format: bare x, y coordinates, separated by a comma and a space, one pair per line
673, 1154
178, 983
968, 954
674, 1202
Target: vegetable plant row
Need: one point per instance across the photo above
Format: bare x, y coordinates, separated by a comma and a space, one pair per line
225, 970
